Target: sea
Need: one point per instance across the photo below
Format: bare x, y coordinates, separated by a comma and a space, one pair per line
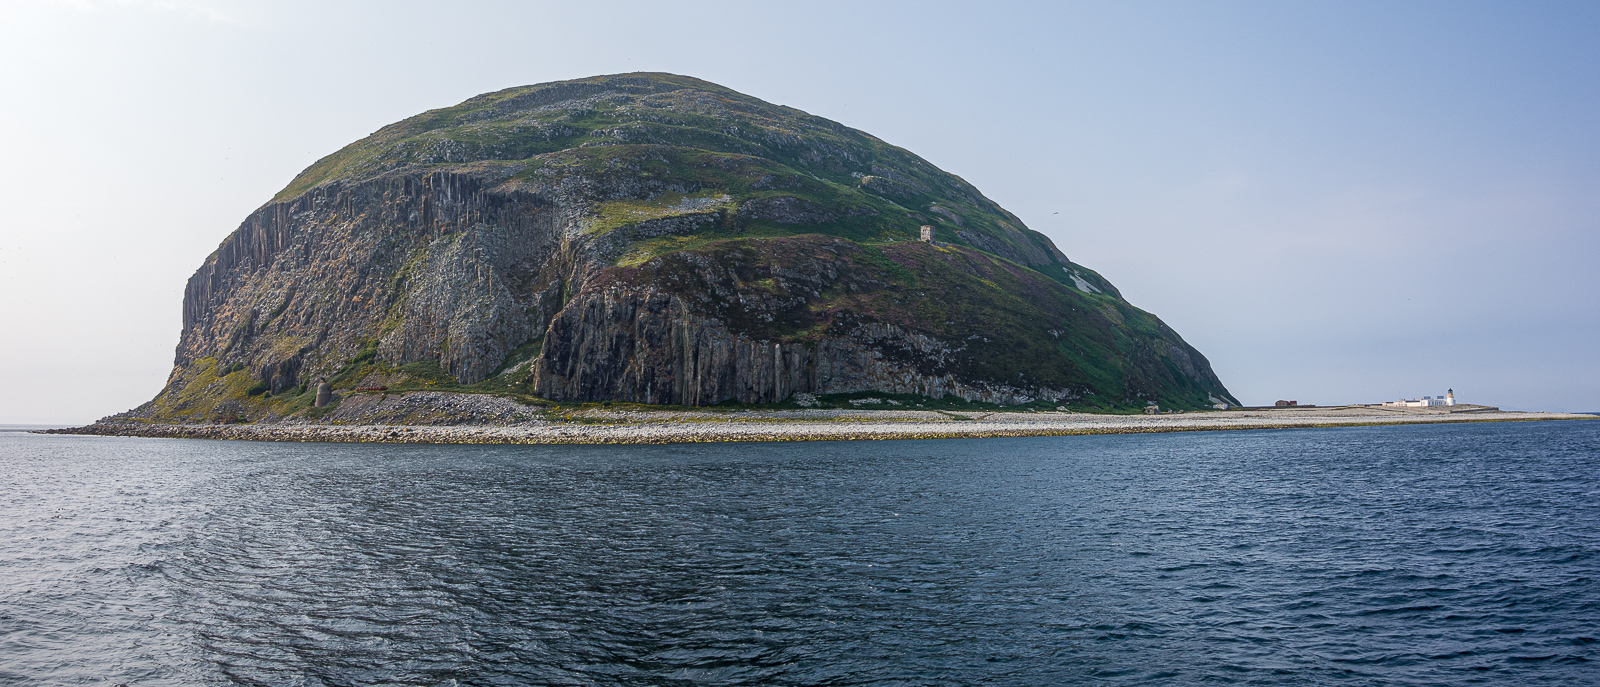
1406, 555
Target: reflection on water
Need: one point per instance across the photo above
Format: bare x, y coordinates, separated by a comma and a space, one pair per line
1394, 555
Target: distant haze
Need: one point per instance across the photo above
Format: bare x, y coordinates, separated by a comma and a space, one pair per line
1335, 202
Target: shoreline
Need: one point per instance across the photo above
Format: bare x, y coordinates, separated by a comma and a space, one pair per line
672, 427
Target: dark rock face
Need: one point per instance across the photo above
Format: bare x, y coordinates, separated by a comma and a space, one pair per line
712, 338
758, 321
663, 240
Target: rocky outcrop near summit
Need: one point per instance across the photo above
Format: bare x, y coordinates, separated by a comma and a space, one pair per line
656, 239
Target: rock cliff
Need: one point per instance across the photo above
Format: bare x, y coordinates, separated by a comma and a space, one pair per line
657, 239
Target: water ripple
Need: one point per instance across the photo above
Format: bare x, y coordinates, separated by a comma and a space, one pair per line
1460, 554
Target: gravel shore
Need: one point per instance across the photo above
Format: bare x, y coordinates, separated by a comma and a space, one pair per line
602, 426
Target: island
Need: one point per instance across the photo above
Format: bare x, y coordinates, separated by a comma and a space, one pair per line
652, 257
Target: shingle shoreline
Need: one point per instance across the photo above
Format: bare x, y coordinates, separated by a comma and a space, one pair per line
640, 428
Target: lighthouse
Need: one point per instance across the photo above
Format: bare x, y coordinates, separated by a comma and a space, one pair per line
1449, 397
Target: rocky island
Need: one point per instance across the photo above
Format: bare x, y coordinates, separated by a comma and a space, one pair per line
655, 239
644, 239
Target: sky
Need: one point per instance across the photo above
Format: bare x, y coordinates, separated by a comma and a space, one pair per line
1335, 202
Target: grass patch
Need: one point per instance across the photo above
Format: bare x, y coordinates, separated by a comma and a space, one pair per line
615, 214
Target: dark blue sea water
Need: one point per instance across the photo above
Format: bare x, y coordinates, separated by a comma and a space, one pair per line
1445, 555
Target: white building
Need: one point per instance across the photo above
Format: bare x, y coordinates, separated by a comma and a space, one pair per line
1449, 399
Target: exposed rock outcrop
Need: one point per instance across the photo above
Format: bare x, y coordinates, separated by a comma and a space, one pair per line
759, 322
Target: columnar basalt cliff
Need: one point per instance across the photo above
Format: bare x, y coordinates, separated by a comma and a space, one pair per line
657, 239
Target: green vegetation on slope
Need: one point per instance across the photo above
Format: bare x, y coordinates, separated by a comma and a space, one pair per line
573, 124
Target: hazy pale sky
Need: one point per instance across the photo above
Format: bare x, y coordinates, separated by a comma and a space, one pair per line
1335, 202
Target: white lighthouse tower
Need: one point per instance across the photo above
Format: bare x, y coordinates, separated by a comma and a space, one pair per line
1449, 397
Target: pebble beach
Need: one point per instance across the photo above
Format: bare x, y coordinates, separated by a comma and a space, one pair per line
646, 426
